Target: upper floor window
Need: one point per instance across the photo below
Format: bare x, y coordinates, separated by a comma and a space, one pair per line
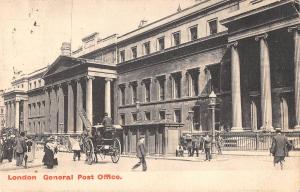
147, 48
29, 85
122, 119
147, 83
176, 85
161, 43
162, 85
162, 115
134, 52
122, 92
122, 56
134, 91
212, 73
177, 116
213, 26
147, 116
22, 85
176, 38
2, 111
40, 83
193, 82
194, 33
134, 117
34, 84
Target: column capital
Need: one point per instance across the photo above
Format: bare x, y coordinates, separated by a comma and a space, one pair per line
262, 36
88, 77
294, 28
232, 44
108, 79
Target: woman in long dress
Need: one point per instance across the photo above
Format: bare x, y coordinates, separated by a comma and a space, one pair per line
50, 149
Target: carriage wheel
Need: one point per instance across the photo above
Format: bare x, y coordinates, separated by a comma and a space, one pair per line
116, 151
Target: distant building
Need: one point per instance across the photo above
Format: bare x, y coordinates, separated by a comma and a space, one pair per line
155, 80
2, 111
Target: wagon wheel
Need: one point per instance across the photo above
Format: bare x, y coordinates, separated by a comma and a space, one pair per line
116, 150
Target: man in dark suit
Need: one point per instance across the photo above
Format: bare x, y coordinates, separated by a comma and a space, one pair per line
279, 147
21, 148
141, 153
207, 147
107, 121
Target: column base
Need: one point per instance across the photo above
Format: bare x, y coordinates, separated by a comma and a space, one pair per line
237, 129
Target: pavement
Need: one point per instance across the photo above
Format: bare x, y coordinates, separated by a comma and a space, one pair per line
224, 173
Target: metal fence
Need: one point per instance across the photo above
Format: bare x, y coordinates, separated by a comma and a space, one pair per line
255, 140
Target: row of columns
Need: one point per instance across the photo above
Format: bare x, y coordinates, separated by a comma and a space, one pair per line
266, 99
13, 113
55, 104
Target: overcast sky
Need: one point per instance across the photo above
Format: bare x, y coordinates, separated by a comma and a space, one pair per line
32, 31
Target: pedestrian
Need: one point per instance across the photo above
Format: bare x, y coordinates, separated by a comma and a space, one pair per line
141, 153
75, 148
207, 147
9, 147
189, 146
219, 143
196, 146
179, 151
21, 148
279, 148
50, 149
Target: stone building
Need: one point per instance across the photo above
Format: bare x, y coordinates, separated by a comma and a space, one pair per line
2, 111
155, 80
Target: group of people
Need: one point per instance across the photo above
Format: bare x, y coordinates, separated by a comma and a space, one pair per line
193, 145
18, 146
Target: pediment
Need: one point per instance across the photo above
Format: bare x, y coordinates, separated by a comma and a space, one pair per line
62, 63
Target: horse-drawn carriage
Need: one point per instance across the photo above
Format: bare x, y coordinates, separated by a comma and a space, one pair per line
100, 140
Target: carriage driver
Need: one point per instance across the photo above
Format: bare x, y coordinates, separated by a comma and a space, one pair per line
107, 122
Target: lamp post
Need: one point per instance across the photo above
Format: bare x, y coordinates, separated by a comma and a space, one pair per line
212, 105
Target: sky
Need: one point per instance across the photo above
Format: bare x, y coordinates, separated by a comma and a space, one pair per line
31, 31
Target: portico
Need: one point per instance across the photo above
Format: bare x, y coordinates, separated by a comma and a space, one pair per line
73, 84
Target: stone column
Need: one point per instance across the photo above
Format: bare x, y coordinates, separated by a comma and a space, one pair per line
61, 109
108, 96
296, 33
266, 98
70, 107
89, 98
236, 89
6, 114
47, 110
17, 114
79, 107
13, 114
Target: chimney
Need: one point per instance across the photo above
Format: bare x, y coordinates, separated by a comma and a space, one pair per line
66, 49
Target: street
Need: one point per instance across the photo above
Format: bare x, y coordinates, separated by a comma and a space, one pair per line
225, 173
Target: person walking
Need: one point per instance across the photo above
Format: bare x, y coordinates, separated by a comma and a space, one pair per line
196, 146
141, 153
75, 148
207, 147
279, 148
50, 149
21, 148
219, 143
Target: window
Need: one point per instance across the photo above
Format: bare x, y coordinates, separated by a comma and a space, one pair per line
134, 91
194, 33
134, 117
147, 116
213, 28
176, 38
122, 119
177, 116
134, 52
34, 84
213, 78
176, 85
147, 48
161, 90
192, 81
122, 91
162, 115
29, 85
29, 107
147, 83
40, 83
161, 43
1, 111
122, 56
22, 85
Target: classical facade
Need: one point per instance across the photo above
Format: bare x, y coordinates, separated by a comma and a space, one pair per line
2, 111
155, 80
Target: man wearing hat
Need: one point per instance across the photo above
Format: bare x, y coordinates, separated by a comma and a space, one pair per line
107, 121
279, 147
141, 153
207, 147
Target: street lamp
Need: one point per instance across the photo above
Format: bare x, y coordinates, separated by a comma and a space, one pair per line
212, 105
